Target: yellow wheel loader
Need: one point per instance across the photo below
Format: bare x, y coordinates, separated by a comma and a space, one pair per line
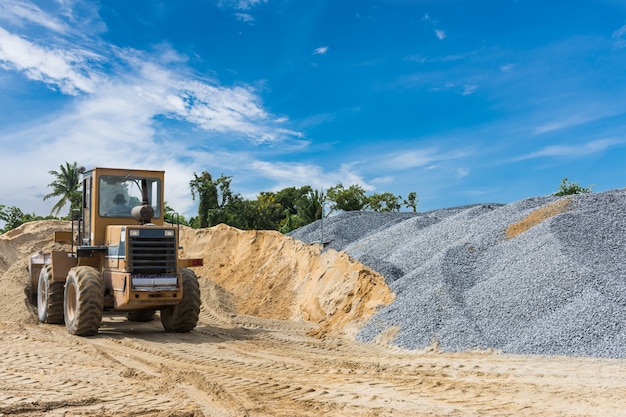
123, 257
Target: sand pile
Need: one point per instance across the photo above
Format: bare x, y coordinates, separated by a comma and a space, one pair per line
274, 276
260, 273
16, 246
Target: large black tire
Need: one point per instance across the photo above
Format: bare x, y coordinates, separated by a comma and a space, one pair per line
183, 316
142, 316
84, 301
49, 297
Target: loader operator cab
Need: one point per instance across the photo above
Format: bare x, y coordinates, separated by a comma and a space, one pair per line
119, 197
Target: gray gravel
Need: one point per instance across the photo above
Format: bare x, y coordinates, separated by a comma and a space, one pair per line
559, 288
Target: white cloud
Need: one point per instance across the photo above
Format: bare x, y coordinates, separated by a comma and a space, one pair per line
247, 4
620, 37
245, 17
321, 50
440, 34
162, 91
469, 89
414, 158
429, 19
120, 118
67, 70
287, 174
507, 67
573, 151
17, 11
565, 123
462, 172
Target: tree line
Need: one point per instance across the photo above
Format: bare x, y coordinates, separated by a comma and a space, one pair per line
284, 210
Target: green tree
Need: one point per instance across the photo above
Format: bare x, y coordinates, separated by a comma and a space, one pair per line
289, 223
268, 211
173, 217
289, 197
570, 188
217, 203
352, 198
384, 202
206, 190
12, 217
66, 186
310, 206
411, 201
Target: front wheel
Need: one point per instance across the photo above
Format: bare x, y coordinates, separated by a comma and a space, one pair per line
183, 316
83, 301
49, 297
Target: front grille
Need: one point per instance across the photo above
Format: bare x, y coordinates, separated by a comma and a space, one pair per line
152, 253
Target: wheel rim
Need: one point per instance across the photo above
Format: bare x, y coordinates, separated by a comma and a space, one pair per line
42, 293
42, 298
70, 309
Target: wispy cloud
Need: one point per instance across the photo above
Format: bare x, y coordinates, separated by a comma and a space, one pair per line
245, 17
168, 92
568, 122
428, 18
619, 37
23, 11
288, 174
413, 158
247, 4
134, 104
69, 70
439, 33
321, 50
469, 89
243, 8
573, 151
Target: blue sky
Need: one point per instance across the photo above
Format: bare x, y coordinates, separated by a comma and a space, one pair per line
460, 101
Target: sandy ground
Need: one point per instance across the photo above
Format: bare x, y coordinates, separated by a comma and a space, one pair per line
274, 339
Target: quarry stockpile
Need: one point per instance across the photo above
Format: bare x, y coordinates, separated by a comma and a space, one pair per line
543, 275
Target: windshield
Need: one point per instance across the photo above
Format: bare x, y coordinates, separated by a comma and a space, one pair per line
118, 195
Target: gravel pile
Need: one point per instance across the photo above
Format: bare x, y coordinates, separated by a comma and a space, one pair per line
558, 288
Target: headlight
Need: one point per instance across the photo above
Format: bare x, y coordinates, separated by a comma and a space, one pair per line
133, 232
169, 233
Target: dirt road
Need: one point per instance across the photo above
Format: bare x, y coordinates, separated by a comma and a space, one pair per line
246, 366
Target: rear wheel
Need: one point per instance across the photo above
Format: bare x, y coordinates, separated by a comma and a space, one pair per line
183, 316
49, 297
84, 301
141, 316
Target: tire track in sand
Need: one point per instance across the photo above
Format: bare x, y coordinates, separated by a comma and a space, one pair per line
254, 369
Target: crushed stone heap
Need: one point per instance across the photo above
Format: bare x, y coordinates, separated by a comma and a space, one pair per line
543, 275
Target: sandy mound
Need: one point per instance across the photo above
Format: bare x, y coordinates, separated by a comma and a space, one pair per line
274, 276
16, 246
259, 273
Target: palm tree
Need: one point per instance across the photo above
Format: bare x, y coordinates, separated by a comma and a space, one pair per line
66, 185
310, 206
